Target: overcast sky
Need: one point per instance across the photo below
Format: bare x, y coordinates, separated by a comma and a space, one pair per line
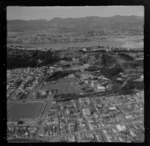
29, 13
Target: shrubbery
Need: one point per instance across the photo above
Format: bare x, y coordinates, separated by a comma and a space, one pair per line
107, 60
126, 56
29, 58
59, 74
112, 72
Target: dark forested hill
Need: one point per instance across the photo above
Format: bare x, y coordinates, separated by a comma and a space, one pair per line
29, 58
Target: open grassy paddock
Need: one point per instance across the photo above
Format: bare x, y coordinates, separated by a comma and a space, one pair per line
64, 86
25, 110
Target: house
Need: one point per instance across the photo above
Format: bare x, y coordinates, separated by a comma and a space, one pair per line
71, 76
121, 127
100, 88
84, 76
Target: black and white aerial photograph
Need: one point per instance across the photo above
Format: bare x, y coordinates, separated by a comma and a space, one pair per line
75, 74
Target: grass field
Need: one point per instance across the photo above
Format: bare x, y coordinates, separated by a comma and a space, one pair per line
68, 80
25, 110
65, 86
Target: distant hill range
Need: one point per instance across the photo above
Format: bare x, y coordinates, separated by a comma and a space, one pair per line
115, 23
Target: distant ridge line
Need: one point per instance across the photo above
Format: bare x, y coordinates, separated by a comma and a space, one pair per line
74, 18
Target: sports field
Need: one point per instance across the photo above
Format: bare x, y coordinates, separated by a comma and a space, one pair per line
68, 80
25, 110
65, 86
